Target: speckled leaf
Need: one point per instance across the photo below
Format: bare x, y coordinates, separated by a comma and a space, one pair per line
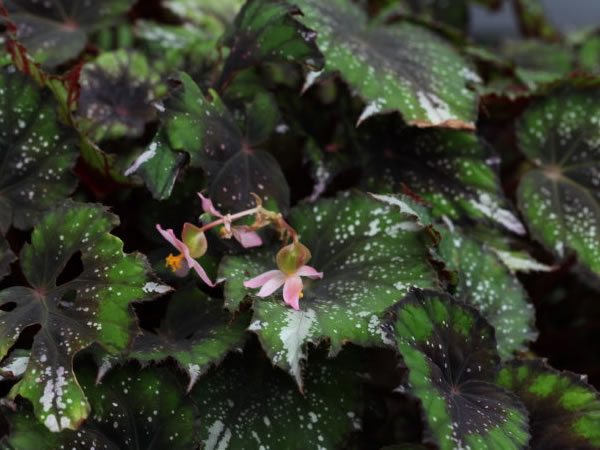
36, 152
401, 67
208, 132
196, 332
117, 91
454, 171
201, 12
73, 314
451, 354
14, 365
370, 254
6, 257
564, 411
487, 284
249, 404
267, 31
56, 31
560, 197
130, 409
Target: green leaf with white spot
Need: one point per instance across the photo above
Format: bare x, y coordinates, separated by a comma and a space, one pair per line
56, 31
455, 171
91, 307
560, 197
203, 13
144, 409
451, 354
208, 132
564, 410
487, 284
196, 332
6, 257
267, 31
117, 91
246, 403
401, 67
36, 152
371, 253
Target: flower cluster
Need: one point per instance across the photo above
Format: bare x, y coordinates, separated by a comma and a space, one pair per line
291, 259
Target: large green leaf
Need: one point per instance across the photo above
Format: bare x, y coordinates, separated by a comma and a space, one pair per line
56, 31
401, 67
450, 351
564, 411
246, 403
266, 31
93, 306
6, 257
487, 284
36, 152
208, 132
370, 253
560, 197
117, 91
196, 332
130, 409
453, 170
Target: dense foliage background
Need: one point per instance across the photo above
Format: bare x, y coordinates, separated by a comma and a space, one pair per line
447, 188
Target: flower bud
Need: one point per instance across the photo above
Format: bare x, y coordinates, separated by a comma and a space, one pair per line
291, 257
194, 239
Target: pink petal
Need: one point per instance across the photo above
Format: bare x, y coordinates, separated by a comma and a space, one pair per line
248, 239
198, 268
170, 236
208, 207
307, 271
262, 279
291, 291
272, 285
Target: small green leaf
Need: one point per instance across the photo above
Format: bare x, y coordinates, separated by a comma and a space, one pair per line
564, 411
533, 20
249, 404
267, 31
560, 197
117, 91
6, 257
130, 409
208, 132
401, 67
202, 13
36, 152
370, 253
450, 352
94, 306
56, 31
196, 332
454, 171
485, 283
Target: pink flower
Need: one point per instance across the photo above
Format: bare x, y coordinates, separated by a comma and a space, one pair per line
242, 233
178, 263
272, 280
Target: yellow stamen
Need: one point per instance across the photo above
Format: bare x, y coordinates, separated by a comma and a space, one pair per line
223, 232
174, 262
301, 294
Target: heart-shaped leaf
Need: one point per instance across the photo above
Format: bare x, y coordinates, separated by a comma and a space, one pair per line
370, 253
487, 284
6, 257
564, 411
451, 354
36, 152
130, 409
266, 31
246, 403
560, 197
73, 310
401, 67
117, 90
56, 31
454, 171
208, 132
196, 332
